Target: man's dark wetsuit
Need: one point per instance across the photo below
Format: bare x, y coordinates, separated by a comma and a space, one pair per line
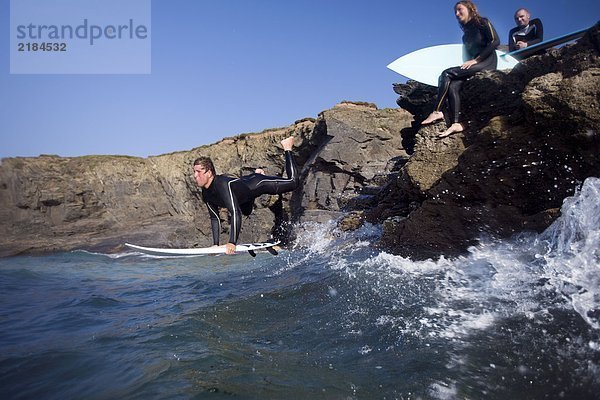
238, 194
480, 41
532, 34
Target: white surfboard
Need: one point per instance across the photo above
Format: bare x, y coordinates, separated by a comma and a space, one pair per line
426, 65
240, 248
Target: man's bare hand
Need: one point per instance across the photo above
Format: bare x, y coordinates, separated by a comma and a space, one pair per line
521, 45
230, 248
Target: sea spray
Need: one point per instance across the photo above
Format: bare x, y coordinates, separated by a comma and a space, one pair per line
572, 251
536, 297
524, 275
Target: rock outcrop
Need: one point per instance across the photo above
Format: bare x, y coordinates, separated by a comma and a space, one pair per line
532, 137
361, 147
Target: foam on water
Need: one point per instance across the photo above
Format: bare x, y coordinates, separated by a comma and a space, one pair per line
114, 256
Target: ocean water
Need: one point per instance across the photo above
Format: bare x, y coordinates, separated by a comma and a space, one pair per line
331, 317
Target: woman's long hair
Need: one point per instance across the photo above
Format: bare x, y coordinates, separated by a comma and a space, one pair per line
473, 13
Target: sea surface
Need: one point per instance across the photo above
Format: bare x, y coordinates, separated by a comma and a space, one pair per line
330, 317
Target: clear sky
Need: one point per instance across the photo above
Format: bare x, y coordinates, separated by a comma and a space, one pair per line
221, 68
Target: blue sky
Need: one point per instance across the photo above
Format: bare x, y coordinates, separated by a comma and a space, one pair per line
221, 68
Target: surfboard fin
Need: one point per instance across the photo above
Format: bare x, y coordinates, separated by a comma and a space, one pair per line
272, 251
252, 253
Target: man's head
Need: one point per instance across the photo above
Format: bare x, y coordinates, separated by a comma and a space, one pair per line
522, 17
204, 171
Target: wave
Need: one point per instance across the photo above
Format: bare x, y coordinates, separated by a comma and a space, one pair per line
530, 292
114, 256
571, 260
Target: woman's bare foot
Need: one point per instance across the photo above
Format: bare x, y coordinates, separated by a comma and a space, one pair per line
434, 116
288, 143
454, 128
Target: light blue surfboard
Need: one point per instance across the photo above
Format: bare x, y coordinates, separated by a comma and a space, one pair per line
426, 65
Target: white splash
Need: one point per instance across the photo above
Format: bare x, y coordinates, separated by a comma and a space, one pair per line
572, 256
326, 238
498, 279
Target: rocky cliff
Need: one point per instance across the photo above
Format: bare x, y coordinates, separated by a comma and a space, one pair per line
532, 136
50, 203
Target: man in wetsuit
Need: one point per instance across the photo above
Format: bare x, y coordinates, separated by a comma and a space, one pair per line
238, 194
527, 32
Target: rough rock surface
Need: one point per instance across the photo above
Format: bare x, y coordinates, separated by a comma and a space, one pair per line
361, 147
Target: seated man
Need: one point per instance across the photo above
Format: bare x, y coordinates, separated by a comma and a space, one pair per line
527, 32
237, 194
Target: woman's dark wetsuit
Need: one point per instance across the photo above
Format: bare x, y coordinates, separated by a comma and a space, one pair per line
238, 194
480, 41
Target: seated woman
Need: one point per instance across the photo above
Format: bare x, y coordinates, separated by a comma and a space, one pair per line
480, 41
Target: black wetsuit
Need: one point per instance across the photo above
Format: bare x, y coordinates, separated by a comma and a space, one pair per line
480, 42
238, 194
532, 34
